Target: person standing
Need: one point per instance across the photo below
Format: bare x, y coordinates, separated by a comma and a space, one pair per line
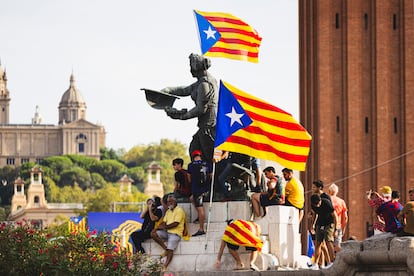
294, 192
171, 229
324, 225
204, 94
406, 216
150, 215
182, 187
341, 214
328, 252
274, 195
389, 211
375, 200
200, 176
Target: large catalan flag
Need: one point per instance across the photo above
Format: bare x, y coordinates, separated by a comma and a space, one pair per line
243, 233
249, 125
224, 35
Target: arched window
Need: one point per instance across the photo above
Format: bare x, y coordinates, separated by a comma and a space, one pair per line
36, 201
81, 140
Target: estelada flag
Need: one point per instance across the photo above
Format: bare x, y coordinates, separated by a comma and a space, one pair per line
249, 125
224, 35
243, 233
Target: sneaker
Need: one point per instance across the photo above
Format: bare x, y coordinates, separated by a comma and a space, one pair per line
198, 233
239, 267
327, 266
313, 266
254, 267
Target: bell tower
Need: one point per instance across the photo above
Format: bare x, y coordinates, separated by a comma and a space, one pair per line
154, 185
4, 98
19, 198
356, 64
36, 191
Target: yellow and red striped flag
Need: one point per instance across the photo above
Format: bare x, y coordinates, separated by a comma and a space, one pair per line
77, 224
224, 35
243, 233
249, 125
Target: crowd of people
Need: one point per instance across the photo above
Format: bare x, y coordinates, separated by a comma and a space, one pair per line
165, 222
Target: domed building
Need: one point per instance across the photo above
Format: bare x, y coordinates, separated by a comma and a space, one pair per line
21, 143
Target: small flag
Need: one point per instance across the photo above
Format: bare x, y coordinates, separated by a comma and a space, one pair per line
311, 247
77, 224
249, 125
224, 35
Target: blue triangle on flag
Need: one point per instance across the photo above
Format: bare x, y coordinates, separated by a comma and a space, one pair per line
204, 26
76, 220
230, 115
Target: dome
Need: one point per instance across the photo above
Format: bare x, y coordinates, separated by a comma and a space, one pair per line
72, 96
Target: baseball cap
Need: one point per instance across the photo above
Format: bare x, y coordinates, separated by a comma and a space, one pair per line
386, 190
195, 153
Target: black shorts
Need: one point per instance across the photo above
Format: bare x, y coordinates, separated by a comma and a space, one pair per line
287, 203
236, 247
198, 200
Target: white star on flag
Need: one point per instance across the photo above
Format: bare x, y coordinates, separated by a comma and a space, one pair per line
234, 116
210, 33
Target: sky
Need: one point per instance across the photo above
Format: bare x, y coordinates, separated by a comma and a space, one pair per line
114, 48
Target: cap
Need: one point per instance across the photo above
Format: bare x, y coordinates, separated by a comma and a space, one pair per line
195, 153
386, 190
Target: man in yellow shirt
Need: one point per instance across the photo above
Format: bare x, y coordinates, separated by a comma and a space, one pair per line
171, 230
294, 192
406, 216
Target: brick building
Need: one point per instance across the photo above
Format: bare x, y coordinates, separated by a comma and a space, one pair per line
357, 97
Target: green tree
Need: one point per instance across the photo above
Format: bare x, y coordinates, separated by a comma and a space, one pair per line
8, 175
69, 194
111, 170
102, 199
76, 175
82, 161
111, 154
162, 153
138, 175
57, 164
97, 181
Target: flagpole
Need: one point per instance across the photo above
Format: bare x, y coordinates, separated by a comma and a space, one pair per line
211, 203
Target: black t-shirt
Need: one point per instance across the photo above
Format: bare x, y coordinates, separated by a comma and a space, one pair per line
148, 224
324, 212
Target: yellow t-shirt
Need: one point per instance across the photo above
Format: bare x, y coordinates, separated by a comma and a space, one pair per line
294, 192
408, 211
176, 215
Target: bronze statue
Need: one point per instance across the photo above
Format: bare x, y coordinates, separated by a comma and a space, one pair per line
204, 94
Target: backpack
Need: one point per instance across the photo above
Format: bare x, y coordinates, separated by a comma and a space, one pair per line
200, 173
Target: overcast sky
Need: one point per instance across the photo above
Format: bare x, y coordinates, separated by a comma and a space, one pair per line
114, 48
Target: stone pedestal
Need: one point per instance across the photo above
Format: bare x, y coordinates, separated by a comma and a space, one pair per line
281, 225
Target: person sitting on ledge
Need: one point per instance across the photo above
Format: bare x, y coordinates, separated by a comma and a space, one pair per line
273, 196
171, 229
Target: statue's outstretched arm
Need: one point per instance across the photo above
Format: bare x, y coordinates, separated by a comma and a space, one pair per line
178, 90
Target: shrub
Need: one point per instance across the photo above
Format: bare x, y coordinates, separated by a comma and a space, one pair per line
26, 250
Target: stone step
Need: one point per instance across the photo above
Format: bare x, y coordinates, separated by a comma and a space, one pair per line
219, 211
